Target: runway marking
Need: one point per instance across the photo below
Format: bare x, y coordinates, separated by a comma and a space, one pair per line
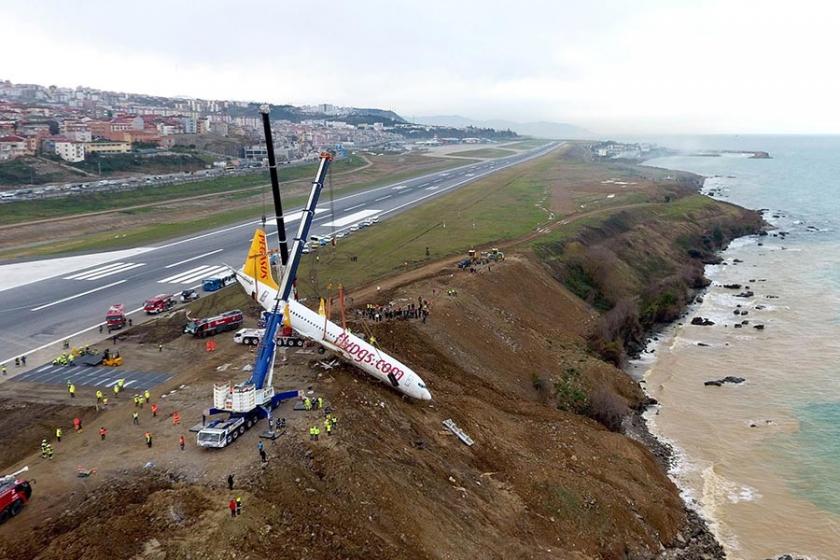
432, 188
399, 188
187, 273
97, 270
383, 197
111, 272
40, 307
202, 275
353, 207
194, 258
352, 218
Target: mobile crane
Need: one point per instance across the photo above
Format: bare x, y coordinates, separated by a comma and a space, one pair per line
248, 402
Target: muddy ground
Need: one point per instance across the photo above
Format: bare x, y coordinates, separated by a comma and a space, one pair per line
391, 482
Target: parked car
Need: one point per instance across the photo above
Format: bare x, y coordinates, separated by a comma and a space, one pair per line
189, 295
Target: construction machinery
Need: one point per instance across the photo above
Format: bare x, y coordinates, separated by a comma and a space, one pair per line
14, 494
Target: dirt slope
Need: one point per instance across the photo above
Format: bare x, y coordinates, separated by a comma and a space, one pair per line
391, 483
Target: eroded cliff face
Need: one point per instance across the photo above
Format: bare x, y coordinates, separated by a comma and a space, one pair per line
641, 266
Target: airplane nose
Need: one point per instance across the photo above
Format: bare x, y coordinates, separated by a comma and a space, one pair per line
425, 395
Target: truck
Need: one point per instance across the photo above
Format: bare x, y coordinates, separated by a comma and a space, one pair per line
252, 337
224, 431
249, 337
14, 494
227, 321
115, 317
218, 281
159, 304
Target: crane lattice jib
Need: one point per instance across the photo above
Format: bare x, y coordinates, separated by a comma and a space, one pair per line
303, 230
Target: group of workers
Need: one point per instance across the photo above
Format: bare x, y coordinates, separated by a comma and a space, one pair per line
313, 404
330, 422
140, 400
19, 361
46, 450
379, 313
101, 400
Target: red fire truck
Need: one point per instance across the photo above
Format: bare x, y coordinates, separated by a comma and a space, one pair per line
227, 321
14, 493
159, 304
115, 317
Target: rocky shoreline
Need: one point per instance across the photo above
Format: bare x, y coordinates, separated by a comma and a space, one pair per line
695, 541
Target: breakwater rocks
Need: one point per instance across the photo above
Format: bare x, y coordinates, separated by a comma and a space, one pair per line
728, 379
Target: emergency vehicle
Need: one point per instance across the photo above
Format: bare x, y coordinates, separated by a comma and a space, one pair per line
159, 304
115, 317
227, 321
14, 493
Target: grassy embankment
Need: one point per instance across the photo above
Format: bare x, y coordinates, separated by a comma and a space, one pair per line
506, 205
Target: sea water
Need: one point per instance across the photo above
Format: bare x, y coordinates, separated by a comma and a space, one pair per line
761, 460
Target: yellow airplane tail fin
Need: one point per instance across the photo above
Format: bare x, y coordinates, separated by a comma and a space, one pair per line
257, 264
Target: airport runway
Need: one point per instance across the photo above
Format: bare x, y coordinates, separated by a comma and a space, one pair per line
39, 313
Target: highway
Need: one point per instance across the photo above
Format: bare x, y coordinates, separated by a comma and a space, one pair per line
73, 301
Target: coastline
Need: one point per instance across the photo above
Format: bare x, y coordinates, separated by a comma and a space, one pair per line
697, 540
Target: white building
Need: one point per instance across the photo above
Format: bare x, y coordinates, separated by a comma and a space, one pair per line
66, 149
12, 147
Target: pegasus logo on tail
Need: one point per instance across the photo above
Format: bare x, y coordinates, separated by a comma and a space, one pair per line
257, 264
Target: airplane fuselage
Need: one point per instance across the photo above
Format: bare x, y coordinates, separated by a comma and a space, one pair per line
352, 348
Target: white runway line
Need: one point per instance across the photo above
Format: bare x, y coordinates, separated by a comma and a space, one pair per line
186, 274
40, 307
117, 271
353, 207
194, 258
202, 275
383, 197
82, 275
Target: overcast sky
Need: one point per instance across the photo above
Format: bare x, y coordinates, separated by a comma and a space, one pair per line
634, 67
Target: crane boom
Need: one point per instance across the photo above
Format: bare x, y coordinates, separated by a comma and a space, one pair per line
275, 185
303, 229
